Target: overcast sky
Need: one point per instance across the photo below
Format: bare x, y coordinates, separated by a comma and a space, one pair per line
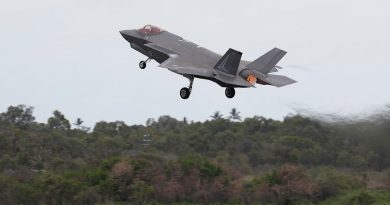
68, 55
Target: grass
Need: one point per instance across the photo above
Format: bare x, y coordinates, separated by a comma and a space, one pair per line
355, 197
359, 197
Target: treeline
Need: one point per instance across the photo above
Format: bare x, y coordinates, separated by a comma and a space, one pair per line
222, 160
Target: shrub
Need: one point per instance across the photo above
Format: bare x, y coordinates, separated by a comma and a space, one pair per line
96, 176
333, 182
287, 184
89, 196
58, 190
362, 198
207, 169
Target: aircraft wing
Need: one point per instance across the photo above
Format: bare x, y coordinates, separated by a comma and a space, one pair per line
177, 64
183, 64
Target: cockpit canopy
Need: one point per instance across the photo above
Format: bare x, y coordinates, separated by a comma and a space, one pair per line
149, 30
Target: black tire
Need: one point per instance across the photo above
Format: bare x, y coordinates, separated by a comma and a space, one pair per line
230, 92
185, 93
142, 64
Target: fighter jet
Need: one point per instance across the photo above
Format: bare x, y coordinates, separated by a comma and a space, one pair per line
193, 61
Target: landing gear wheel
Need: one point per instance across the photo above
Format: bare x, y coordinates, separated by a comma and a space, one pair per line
230, 92
185, 93
142, 64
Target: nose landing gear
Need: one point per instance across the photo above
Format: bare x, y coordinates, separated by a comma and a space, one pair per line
142, 64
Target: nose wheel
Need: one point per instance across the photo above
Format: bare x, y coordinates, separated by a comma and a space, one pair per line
142, 64
186, 92
230, 92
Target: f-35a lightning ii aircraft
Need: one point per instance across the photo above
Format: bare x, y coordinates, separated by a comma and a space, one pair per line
193, 61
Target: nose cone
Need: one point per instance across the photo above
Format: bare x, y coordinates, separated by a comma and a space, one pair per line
123, 33
130, 35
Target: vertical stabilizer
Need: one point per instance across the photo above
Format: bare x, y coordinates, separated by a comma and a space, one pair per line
267, 62
229, 62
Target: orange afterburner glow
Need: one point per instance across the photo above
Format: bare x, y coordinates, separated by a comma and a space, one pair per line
251, 79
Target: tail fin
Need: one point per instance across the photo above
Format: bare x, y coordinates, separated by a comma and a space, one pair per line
268, 61
229, 62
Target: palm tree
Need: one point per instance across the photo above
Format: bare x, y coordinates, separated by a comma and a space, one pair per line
235, 115
217, 115
78, 122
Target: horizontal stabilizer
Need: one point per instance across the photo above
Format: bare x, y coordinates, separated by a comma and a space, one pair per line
229, 62
278, 80
267, 62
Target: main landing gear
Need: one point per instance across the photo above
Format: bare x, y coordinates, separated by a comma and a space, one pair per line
142, 64
185, 92
230, 92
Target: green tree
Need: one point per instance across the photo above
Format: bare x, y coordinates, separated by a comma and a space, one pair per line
58, 190
20, 116
107, 128
142, 192
58, 121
